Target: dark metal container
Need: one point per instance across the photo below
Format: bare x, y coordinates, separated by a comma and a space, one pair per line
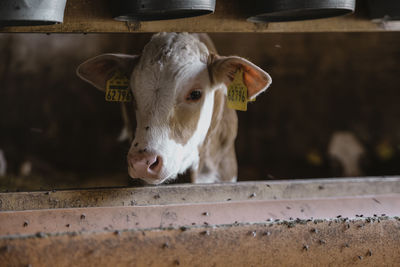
292, 10
145, 10
31, 12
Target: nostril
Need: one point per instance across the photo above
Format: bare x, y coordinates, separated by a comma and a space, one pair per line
145, 165
154, 164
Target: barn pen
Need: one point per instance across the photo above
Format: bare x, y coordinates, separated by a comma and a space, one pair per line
318, 153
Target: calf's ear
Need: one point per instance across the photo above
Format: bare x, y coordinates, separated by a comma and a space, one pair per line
223, 70
98, 70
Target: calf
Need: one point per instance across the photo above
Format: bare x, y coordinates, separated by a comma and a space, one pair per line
179, 86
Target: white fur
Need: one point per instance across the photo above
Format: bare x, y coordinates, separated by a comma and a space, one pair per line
171, 64
208, 178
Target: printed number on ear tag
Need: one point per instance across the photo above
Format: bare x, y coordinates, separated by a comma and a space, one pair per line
117, 88
237, 92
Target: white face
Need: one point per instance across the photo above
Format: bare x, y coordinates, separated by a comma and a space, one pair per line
174, 104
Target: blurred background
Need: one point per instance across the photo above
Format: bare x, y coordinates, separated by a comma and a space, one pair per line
333, 109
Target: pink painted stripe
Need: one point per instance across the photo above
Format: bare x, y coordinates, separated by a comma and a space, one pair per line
140, 217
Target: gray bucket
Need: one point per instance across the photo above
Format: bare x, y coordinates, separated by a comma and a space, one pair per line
31, 12
146, 10
293, 10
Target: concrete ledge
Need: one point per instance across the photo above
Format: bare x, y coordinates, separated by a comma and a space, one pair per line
359, 242
207, 193
338, 222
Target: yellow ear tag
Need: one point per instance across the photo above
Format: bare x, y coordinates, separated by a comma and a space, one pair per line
237, 92
117, 88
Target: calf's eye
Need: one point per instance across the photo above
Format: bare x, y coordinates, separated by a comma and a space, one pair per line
194, 95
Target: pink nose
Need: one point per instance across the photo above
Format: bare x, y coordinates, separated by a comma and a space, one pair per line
144, 165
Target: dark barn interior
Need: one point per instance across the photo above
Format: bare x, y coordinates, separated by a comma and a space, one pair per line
318, 153
330, 91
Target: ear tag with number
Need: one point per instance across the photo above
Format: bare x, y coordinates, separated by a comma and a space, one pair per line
237, 92
117, 88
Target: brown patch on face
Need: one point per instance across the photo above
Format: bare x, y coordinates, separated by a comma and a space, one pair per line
210, 61
183, 123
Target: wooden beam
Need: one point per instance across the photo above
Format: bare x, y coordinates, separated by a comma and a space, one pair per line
230, 16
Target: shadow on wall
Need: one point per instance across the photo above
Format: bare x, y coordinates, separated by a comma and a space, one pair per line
331, 111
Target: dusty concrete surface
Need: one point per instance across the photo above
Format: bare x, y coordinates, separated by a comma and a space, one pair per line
335, 222
361, 242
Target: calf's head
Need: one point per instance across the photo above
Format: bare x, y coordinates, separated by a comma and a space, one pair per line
173, 83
